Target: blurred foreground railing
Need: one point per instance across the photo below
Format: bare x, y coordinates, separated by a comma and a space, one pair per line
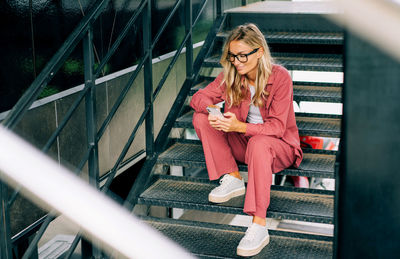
49, 185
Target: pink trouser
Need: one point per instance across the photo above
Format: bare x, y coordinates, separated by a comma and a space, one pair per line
264, 156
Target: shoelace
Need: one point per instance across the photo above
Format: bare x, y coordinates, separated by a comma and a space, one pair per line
223, 180
250, 233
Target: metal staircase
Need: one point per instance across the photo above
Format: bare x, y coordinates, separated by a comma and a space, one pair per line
365, 214
299, 40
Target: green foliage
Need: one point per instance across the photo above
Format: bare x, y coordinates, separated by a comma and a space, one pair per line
73, 67
48, 90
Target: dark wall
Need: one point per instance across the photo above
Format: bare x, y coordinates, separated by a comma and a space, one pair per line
32, 31
369, 201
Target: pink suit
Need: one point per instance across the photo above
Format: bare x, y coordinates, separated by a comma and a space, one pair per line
266, 148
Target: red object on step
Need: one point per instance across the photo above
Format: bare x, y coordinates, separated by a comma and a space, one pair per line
307, 142
311, 142
301, 181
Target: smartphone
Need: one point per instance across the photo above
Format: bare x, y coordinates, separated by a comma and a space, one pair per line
215, 111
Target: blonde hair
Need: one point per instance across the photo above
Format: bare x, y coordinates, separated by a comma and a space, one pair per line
236, 90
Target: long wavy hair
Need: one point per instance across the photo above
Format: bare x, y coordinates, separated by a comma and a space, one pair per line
236, 85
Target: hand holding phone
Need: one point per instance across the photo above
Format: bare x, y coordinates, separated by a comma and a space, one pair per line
215, 111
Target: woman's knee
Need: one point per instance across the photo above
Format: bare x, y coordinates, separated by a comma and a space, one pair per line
200, 120
260, 150
260, 142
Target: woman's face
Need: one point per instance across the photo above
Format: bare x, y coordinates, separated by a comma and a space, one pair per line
238, 47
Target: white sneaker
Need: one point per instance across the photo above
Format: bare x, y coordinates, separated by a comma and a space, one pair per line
255, 239
229, 187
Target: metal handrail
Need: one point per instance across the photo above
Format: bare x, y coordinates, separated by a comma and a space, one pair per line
113, 226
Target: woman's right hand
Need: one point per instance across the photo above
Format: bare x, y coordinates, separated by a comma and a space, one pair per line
213, 120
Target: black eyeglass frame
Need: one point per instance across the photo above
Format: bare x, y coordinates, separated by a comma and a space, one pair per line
230, 55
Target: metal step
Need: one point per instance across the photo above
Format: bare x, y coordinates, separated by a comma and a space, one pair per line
308, 126
208, 240
317, 94
192, 193
305, 149
288, 37
192, 155
293, 61
301, 92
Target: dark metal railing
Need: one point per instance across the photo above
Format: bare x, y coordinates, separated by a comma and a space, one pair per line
84, 32
161, 140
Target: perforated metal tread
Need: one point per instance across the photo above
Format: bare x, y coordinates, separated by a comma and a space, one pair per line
191, 155
286, 202
305, 149
308, 126
317, 94
206, 240
306, 62
302, 92
286, 37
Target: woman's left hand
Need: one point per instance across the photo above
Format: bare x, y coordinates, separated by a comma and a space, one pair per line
231, 124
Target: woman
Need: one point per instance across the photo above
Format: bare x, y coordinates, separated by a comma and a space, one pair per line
258, 128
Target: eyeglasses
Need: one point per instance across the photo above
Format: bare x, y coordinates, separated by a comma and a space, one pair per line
242, 58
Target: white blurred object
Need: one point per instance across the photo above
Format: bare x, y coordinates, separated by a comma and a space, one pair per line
317, 76
375, 20
99, 217
323, 184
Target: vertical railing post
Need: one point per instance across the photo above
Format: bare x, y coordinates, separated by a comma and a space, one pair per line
219, 8
90, 103
91, 128
189, 42
5, 238
148, 78
244, 2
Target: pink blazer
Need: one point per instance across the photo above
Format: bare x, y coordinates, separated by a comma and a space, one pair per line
277, 112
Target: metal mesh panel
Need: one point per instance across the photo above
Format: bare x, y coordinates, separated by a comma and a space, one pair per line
317, 94
323, 127
191, 194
